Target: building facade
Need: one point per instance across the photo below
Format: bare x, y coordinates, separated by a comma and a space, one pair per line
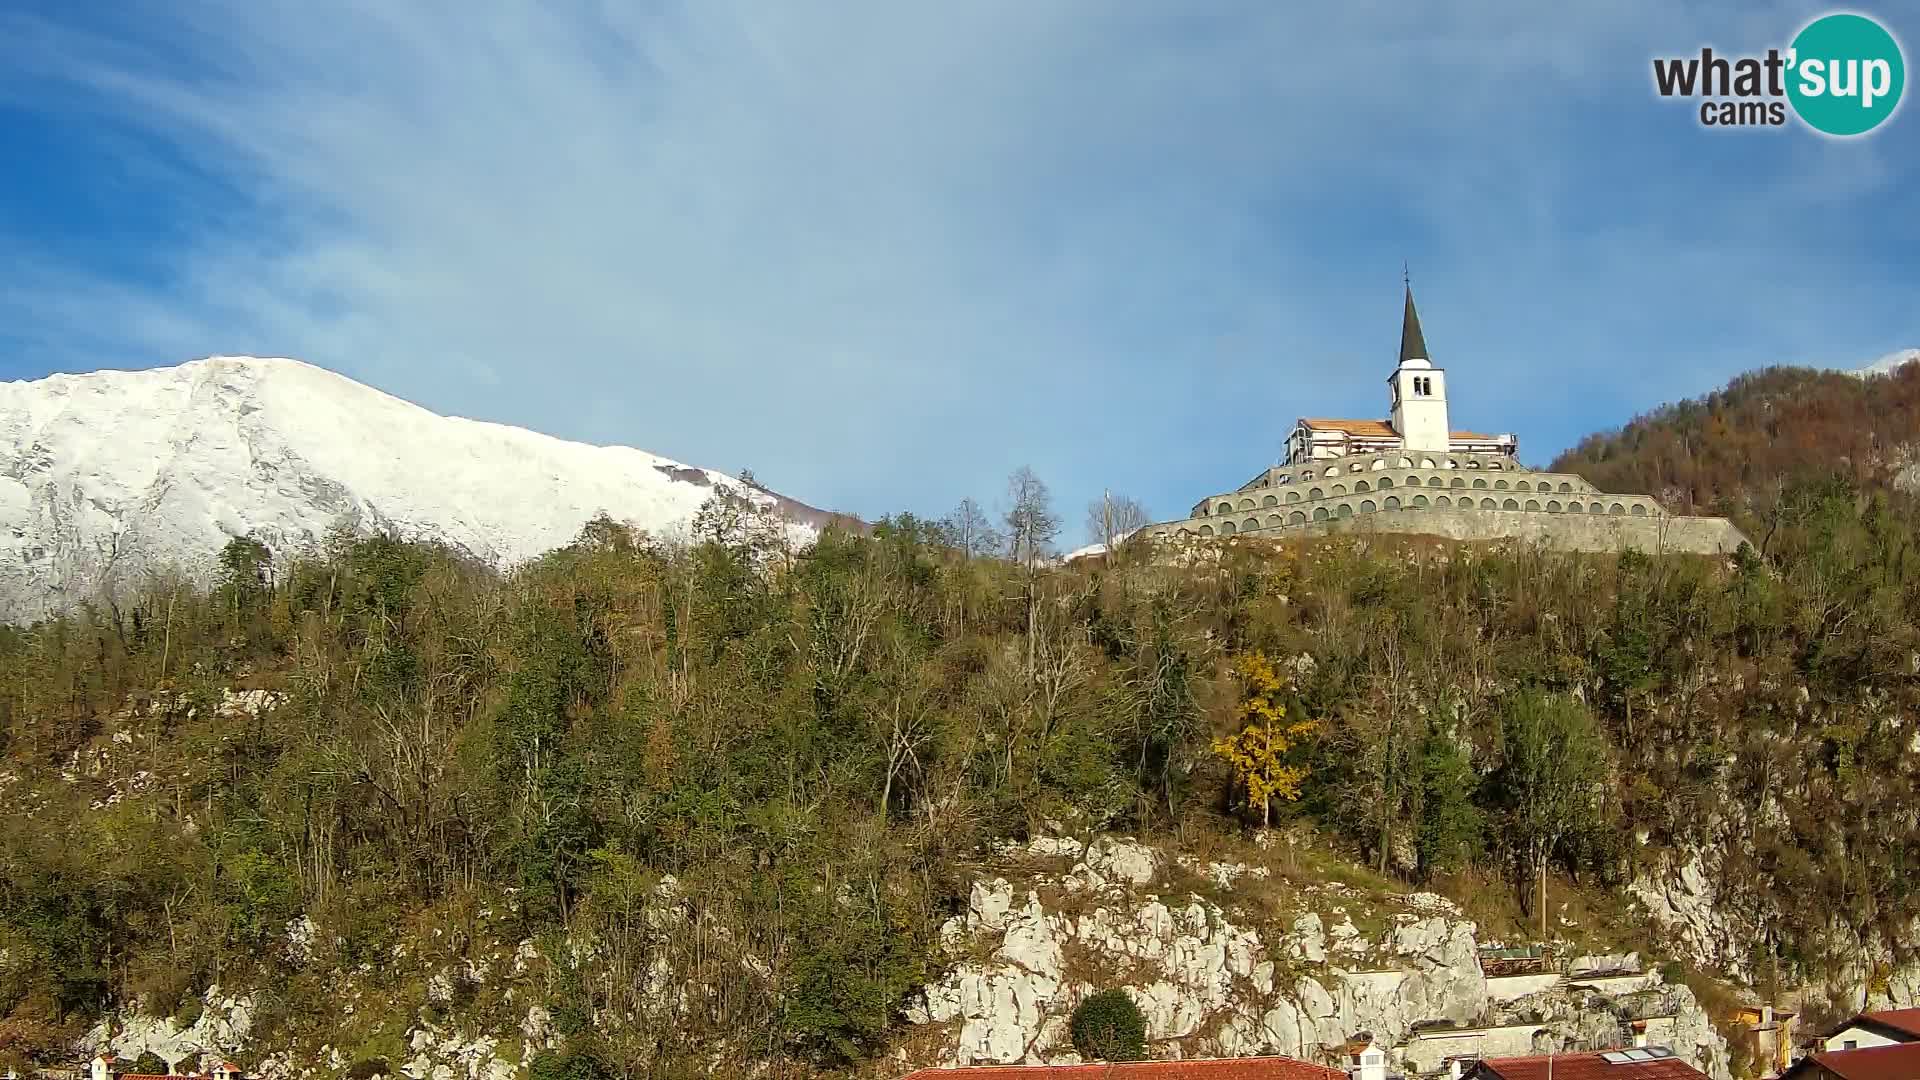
1886, 1027
1413, 473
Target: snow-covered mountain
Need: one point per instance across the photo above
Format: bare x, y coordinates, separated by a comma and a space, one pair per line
1888, 362
107, 475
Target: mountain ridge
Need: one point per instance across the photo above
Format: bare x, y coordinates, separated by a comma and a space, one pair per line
1731, 449
111, 475
1889, 363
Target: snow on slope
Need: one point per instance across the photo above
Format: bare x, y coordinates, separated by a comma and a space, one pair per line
1095, 548
1888, 362
107, 475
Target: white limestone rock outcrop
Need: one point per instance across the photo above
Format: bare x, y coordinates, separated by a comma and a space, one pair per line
455, 1056
221, 1030
1683, 901
1232, 980
1697, 921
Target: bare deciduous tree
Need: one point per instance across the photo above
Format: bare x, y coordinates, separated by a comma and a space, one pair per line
1031, 528
1111, 518
971, 530
1032, 525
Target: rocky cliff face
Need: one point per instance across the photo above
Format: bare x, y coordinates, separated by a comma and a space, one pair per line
1225, 958
494, 1037
1683, 897
221, 1030
1218, 975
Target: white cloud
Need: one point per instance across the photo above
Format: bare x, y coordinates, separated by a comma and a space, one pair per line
882, 252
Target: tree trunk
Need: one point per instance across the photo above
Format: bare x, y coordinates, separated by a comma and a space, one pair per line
1032, 620
1541, 862
166, 635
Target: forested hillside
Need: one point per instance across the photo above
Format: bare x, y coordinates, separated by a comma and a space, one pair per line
813, 749
1736, 448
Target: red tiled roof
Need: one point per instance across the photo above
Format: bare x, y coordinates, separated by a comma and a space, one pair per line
1901, 1061
1586, 1067
1373, 429
1379, 429
1252, 1068
1906, 1021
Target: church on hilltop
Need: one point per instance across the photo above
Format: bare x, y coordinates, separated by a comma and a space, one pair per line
1417, 414
1413, 473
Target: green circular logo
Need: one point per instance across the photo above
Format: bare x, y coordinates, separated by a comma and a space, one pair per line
1845, 74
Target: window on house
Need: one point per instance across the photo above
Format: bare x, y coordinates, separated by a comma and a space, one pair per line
1850, 1044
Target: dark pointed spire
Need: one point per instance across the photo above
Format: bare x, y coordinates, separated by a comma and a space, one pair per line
1413, 346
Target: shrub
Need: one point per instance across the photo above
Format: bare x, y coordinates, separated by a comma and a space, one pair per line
577, 1060
368, 1068
1109, 1027
151, 1064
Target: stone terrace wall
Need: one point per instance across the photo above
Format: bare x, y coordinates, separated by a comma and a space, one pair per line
1693, 535
1460, 497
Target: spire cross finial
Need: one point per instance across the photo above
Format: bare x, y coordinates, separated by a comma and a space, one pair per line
1406, 274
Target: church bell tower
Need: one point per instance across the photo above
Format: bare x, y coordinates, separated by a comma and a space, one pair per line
1419, 391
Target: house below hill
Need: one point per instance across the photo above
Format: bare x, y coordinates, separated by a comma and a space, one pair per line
1248, 1068
1640, 1063
1887, 1027
1768, 1034
108, 1067
1887, 1061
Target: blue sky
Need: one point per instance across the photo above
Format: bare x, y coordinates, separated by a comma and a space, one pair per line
884, 253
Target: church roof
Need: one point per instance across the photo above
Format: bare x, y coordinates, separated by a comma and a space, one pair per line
1372, 429
1379, 429
1413, 345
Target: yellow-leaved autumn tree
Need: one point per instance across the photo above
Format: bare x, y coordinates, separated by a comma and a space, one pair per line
1258, 752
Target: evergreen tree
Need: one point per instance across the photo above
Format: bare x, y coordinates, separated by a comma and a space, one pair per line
1108, 1026
1548, 786
1450, 825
